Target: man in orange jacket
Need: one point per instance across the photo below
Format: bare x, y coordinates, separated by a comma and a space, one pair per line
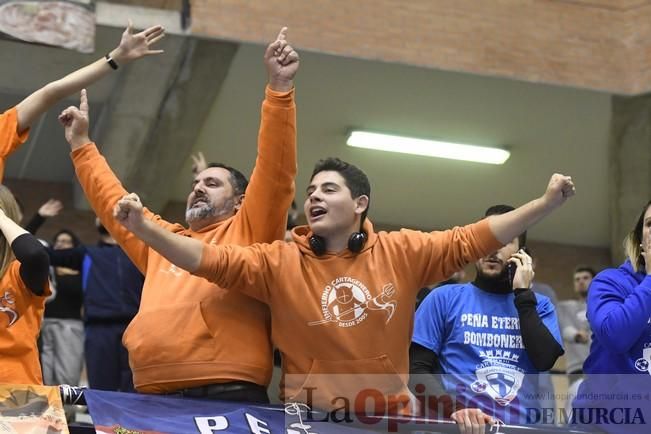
192, 337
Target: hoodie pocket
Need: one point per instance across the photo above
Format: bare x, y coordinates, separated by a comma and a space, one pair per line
172, 335
373, 379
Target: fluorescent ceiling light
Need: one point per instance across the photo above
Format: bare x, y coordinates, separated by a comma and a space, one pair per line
429, 148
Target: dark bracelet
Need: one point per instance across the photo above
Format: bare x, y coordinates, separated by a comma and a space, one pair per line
525, 297
111, 62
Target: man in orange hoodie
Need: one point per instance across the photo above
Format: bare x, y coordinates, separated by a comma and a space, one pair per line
191, 337
342, 296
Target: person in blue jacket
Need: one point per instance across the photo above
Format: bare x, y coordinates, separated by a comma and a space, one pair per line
615, 396
112, 287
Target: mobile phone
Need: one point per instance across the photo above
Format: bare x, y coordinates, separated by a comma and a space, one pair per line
510, 272
511, 268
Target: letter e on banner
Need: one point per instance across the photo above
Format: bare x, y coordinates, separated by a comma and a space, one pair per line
256, 425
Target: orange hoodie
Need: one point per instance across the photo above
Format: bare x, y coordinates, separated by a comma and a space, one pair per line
21, 314
21, 311
344, 313
189, 332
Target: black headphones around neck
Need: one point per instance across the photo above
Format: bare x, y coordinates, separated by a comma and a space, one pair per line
355, 243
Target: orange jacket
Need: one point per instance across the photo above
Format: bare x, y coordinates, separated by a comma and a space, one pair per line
190, 332
345, 313
21, 314
10, 140
21, 311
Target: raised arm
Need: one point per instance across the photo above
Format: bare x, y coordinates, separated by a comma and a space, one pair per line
618, 320
435, 256
51, 208
33, 258
101, 187
246, 269
271, 190
507, 226
181, 251
132, 46
14, 123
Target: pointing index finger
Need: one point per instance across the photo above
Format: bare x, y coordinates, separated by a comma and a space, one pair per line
83, 103
282, 35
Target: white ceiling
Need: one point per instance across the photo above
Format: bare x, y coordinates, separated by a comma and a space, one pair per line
547, 129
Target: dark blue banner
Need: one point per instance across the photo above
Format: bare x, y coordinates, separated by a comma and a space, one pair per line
123, 413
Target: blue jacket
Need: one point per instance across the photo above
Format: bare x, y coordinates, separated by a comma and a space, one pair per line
618, 374
619, 312
112, 284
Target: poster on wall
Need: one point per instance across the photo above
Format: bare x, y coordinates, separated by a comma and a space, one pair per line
62, 23
31, 409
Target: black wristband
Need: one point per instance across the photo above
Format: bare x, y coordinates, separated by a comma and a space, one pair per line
111, 62
525, 297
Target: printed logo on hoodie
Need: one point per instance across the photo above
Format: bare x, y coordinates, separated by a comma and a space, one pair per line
347, 302
8, 307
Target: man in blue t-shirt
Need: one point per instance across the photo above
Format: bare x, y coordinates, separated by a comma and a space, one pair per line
487, 340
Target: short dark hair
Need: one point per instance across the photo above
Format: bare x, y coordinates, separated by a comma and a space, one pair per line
237, 178
585, 269
503, 209
355, 179
75, 239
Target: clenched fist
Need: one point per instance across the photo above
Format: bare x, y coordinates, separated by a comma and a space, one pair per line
559, 189
128, 211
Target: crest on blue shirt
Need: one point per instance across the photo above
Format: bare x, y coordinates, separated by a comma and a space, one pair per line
499, 378
643, 363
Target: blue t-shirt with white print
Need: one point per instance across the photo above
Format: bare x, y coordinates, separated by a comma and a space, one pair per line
476, 335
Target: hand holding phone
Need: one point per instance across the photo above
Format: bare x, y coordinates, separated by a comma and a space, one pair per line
523, 274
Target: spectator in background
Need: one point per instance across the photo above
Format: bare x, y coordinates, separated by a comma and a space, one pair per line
62, 333
111, 287
572, 315
488, 339
199, 163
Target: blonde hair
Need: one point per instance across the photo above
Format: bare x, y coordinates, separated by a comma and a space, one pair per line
12, 210
633, 241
